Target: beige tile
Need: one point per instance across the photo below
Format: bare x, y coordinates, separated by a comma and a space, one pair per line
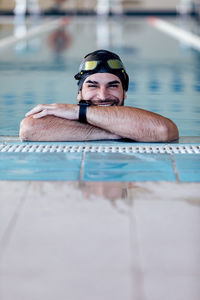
101, 240
165, 226
68, 246
12, 197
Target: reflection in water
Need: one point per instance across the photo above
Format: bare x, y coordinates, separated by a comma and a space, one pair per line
103, 33
109, 33
116, 192
60, 40
21, 28
121, 195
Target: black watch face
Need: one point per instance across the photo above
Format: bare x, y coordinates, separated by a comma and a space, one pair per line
85, 102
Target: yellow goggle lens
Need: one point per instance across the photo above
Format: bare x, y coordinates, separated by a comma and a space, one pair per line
89, 65
115, 64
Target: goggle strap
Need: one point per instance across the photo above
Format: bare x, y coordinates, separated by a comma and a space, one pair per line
113, 64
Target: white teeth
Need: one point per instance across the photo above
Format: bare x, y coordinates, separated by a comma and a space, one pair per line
104, 105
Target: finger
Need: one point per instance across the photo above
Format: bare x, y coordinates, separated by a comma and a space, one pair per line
41, 114
36, 109
33, 111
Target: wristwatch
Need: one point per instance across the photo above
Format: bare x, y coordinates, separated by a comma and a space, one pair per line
83, 105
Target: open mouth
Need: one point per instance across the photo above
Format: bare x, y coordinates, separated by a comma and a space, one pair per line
106, 104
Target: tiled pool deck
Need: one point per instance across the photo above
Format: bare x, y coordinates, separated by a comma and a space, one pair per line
99, 225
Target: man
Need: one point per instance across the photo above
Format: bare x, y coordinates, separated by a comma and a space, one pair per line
100, 113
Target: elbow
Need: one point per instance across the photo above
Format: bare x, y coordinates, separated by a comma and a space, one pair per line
26, 129
168, 132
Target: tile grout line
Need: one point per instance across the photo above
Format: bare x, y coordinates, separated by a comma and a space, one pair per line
13, 221
82, 166
138, 280
175, 169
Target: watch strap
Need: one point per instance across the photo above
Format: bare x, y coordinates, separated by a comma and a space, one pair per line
83, 111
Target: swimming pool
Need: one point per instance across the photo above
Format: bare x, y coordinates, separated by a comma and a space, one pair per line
164, 78
164, 74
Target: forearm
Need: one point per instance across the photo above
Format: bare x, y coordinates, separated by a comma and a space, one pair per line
133, 123
58, 122
51, 128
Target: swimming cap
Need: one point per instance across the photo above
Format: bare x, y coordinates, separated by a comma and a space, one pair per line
102, 61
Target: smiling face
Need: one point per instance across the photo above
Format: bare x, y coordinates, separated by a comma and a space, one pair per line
102, 89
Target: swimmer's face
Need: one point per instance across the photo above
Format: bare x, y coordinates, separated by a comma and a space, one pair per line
103, 89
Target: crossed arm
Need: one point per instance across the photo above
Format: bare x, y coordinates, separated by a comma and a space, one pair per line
59, 122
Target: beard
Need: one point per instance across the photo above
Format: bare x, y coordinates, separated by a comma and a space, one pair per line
104, 102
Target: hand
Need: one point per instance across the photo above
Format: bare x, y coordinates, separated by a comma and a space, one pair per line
66, 111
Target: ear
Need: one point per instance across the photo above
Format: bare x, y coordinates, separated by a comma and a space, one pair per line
79, 96
125, 95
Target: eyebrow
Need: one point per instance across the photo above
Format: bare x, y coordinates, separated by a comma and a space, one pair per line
109, 83
91, 81
114, 82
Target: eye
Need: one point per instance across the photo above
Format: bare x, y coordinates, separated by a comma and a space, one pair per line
92, 85
113, 85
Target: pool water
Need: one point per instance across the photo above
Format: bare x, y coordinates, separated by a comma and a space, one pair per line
102, 161
164, 74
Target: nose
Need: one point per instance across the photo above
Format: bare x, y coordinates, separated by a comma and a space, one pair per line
102, 93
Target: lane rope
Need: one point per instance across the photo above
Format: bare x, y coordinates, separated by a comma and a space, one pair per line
180, 34
37, 30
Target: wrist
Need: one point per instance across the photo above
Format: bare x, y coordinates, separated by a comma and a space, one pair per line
76, 112
83, 106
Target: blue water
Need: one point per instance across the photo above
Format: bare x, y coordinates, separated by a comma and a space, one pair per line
99, 166
164, 74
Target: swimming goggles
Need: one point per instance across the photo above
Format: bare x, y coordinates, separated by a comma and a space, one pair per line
91, 65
